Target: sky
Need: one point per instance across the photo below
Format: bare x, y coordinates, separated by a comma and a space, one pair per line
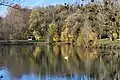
34, 3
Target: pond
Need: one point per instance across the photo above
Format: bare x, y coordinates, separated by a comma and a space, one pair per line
58, 62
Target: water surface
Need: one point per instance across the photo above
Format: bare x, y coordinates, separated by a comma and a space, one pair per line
59, 62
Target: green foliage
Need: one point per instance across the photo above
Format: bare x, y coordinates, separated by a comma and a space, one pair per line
80, 40
36, 34
66, 36
52, 29
53, 32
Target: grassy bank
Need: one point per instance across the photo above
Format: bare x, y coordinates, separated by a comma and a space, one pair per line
103, 43
20, 42
106, 43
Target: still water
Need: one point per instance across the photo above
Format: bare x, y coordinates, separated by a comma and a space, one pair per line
59, 62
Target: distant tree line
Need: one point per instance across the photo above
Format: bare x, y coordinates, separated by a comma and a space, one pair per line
66, 23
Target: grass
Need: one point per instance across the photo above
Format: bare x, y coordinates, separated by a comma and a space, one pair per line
107, 42
41, 40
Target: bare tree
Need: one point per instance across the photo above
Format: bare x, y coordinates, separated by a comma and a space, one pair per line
17, 21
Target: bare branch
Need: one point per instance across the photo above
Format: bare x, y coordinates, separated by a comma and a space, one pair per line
9, 4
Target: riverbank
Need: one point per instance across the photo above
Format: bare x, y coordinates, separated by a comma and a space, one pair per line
107, 44
17, 42
103, 43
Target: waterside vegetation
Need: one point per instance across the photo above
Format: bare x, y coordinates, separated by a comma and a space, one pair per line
82, 25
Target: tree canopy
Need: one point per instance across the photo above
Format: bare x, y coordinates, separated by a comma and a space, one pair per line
66, 23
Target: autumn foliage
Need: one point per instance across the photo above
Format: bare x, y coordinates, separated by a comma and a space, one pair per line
82, 25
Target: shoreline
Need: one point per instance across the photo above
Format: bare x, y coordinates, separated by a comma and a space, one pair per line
106, 44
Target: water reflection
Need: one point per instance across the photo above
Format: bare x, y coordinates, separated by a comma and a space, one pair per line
61, 62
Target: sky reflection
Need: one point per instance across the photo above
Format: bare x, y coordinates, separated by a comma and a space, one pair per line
32, 76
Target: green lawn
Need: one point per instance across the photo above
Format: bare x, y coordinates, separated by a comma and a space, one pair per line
108, 42
41, 40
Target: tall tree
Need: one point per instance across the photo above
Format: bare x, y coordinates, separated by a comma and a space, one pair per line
18, 21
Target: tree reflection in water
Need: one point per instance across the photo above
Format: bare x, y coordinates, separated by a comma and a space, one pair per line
58, 62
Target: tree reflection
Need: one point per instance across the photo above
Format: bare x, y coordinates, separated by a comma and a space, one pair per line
60, 60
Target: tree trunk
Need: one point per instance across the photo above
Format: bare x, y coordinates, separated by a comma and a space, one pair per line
110, 37
117, 34
49, 39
